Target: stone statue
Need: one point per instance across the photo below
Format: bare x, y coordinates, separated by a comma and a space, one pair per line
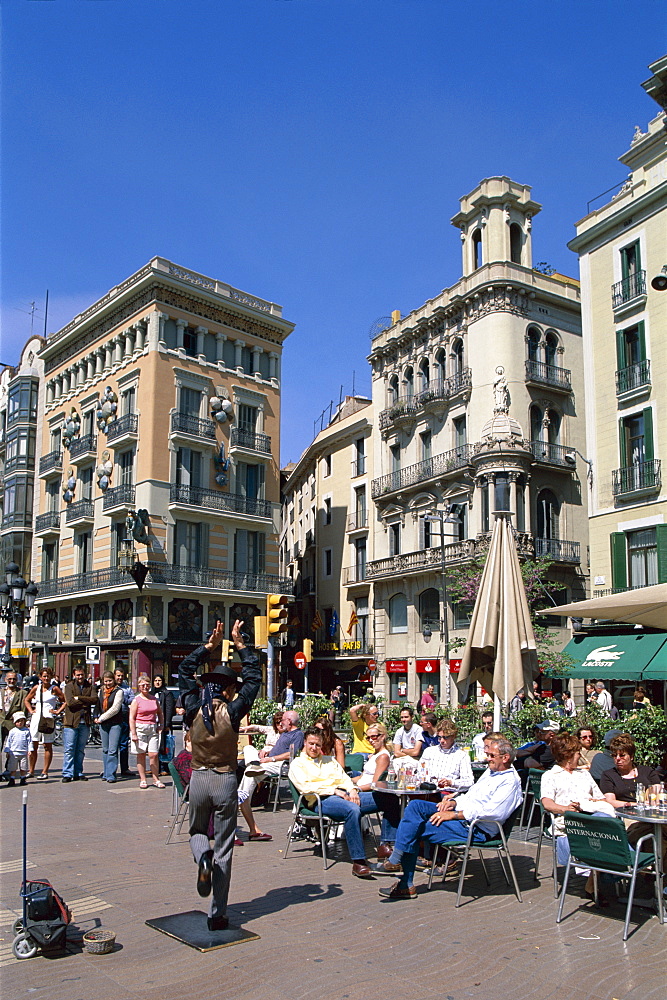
501, 396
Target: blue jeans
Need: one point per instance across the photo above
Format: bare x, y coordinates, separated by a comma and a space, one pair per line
346, 812
110, 733
74, 745
415, 826
390, 807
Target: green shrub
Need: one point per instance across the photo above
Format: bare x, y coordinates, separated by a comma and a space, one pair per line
649, 731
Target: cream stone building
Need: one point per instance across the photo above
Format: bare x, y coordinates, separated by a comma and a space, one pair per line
159, 442
325, 546
622, 247
478, 405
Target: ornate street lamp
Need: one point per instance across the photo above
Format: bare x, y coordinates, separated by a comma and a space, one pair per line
17, 599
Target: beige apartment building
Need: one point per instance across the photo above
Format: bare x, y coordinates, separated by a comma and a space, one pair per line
478, 405
159, 442
325, 546
622, 247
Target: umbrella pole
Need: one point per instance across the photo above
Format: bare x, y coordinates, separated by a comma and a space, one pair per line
496, 713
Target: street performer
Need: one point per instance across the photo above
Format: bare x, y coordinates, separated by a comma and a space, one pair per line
214, 712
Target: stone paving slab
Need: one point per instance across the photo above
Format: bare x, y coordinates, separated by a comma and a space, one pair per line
323, 934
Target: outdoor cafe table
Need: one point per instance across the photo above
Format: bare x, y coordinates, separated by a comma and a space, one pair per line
655, 819
405, 795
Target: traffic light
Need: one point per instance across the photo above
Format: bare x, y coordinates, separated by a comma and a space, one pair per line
227, 651
308, 649
261, 635
276, 613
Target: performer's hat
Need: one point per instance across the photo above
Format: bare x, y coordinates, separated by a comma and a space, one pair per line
221, 674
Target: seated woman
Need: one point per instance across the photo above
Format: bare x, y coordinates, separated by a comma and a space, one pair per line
389, 805
270, 733
567, 788
362, 716
619, 784
332, 745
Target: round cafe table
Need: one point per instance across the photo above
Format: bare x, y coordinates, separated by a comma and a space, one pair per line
657, 820
404, 794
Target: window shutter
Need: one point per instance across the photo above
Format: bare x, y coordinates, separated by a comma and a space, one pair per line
648, 434
661, 540
622, 448
620, 350
641, 338
619, 565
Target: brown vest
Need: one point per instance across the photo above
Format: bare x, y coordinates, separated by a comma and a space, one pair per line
219, 749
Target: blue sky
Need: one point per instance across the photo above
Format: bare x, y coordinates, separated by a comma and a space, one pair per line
310, 152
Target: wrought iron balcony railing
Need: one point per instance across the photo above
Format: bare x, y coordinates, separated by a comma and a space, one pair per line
129, 424
357, 521
439, 465
438, 390
184, 423
48, 521
359, 466
558, 378
642, 477
82, 510
83, 445
415, 562
551, 454
53, 462
242, 438
628, 288
119, 496
354, 574
216, 500
558, 549
633, 377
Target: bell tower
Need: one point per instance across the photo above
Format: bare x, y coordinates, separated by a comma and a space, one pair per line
495, 222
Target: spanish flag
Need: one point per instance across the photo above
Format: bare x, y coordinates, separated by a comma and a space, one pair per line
353, 621
317, 621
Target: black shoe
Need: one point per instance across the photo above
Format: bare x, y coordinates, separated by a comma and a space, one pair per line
204, 875
217, 923
22, 781
81, 777
11, 783
128, 774
65, 780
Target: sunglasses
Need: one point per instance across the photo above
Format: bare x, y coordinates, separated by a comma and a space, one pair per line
374, 736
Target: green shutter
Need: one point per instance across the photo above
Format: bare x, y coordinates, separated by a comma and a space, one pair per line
661, 540
619, 565
620, 350
622, 449
648, 434
642, 341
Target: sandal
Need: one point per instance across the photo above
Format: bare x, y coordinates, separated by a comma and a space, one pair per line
159, 784
142, 784
42, 777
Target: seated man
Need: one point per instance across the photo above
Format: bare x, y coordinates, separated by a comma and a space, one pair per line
311, 772
288, 744
448, 764
408, 741
603, 761
429, 732
537, 753
496, 795
478, 741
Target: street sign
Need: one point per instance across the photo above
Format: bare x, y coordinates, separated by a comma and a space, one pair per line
92, 654
371, 665
40, 633
300, 661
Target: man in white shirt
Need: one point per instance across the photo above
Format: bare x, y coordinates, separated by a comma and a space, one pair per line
602, 697
496, 795
407, 741
478, 741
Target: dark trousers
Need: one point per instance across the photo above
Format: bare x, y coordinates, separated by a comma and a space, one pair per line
212, 792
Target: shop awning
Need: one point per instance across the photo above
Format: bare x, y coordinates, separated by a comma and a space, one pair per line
619, 657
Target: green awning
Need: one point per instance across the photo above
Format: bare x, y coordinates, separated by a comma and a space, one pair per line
619, 657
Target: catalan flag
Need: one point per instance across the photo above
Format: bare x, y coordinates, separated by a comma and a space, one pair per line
354, 621
317, 621
295, 622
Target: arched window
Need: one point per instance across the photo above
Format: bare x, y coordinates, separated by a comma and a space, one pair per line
409, 380
533, 344
457, 357
392, 390
516, 243
477, 249
535, 423
429, 609
424, 374
551, 349
398, 613
554, 426
548, 510
440, 373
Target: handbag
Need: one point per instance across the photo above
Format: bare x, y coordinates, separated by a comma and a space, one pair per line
46, 724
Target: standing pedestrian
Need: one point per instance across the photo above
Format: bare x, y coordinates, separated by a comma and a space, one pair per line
124, 747
214, 713
43, 703
80, 697
10, 702
287, 695
110, 723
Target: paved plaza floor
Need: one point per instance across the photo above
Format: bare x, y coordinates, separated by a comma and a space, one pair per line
322, 934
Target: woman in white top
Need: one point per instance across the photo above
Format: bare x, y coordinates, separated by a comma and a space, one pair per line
378, 762
43, 702
270, 733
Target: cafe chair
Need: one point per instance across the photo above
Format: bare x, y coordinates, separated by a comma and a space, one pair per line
181, 804
546, 820
306, 816
274, 782
354, 762
497, 844
601, 844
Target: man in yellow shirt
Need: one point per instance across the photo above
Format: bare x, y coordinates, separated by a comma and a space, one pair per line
312, 773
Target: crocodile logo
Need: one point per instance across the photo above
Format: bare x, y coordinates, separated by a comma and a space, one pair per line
602, 656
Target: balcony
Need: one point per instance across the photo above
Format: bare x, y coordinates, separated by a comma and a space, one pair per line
234, 503
119, 496
51, 463
417, 562
242, 438
124, 429
544, 374
551, 454
354, 574
83, 447
48, 524
82, 510
439, 465
435, 394
638, 479
628, 289
357, 521
634, 378
359, 466
558, 549
184, 423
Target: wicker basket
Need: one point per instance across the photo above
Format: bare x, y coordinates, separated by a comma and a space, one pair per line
99, 942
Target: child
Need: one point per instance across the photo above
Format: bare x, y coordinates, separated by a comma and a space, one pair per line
16, 748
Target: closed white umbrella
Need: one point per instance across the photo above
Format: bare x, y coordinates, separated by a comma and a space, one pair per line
643, 606
500, 653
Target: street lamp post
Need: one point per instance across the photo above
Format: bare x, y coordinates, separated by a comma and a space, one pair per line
17, 599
